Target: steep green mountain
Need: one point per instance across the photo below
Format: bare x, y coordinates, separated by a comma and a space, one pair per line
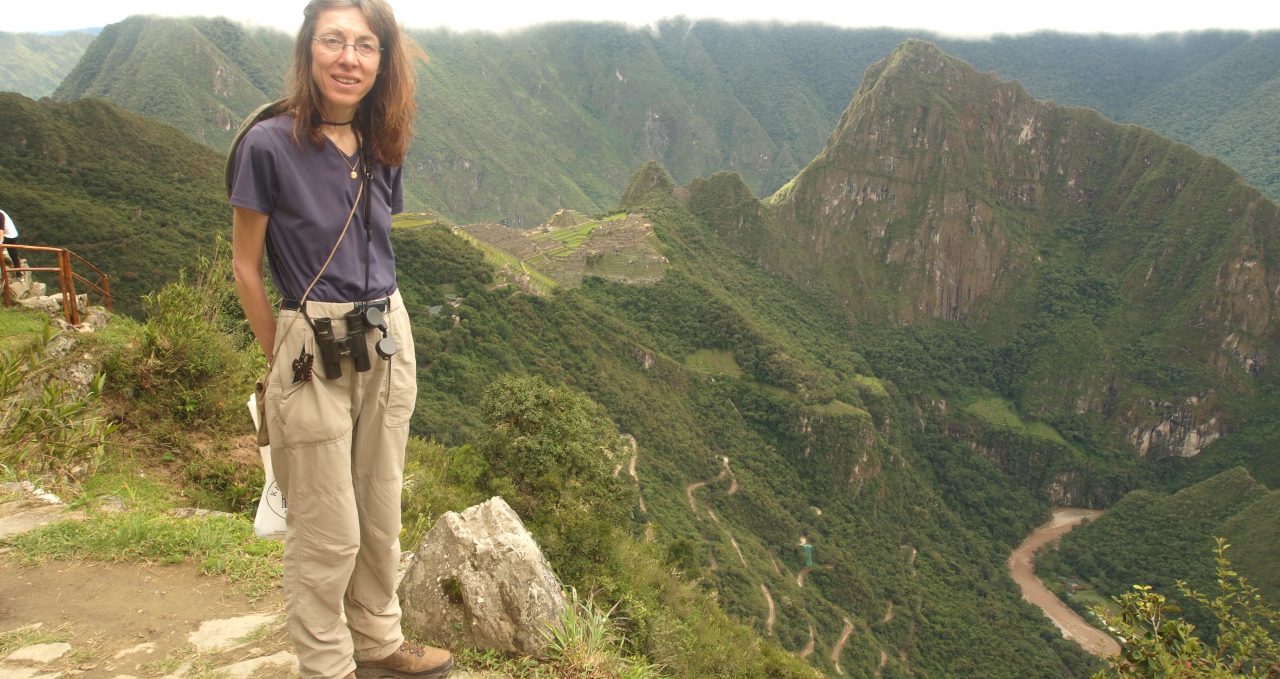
970, 304
1124, 279
1157, 539
792, 437
199, 75
514, 127
32, 64
136, 197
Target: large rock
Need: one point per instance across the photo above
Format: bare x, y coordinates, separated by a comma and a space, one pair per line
480, 581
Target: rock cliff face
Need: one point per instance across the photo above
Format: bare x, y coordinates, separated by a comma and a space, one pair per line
945, 193
948, 181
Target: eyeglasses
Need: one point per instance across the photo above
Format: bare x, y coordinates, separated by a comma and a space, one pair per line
334, 44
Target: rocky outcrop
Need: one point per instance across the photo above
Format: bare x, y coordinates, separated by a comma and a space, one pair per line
480, 581
1173, 429
945, 193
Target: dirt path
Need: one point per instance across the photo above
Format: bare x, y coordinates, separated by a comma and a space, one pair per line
132, 618
1022, 568
732, 541
689, 493
768, 598
808, 648
122, 620
888, 615
724, 473
844, 638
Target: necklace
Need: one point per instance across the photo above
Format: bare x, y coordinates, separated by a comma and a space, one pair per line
329, 122
349, 164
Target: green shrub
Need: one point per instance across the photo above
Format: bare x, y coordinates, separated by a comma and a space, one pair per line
1157, 642
56, 433
188, 368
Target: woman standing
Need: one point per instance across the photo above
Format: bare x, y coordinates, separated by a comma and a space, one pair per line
315, 187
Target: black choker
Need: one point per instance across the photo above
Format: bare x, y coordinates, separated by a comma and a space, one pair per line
327, 122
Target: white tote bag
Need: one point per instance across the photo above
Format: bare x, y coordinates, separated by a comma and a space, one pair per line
268, 523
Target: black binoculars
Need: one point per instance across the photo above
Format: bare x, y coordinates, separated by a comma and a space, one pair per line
333, 349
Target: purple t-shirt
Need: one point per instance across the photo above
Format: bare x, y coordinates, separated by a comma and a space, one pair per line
307, 191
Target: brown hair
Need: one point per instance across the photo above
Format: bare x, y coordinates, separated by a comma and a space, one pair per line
384, 117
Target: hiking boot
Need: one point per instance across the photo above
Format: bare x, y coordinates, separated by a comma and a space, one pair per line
410, 661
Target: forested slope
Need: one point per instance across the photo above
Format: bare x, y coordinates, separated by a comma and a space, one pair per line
515, 126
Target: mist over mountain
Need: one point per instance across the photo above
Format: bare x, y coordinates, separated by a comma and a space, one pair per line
34, 64
135, 197
199, 75
963, 304
515, 126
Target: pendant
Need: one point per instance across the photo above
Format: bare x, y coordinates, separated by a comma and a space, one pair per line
353, 174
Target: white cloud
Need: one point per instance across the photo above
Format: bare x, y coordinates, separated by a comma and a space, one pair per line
954, 18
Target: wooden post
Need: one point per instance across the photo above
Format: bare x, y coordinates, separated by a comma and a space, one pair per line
7, 298
68, 287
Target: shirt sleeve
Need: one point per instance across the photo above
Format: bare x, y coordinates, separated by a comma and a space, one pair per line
397, 189
254, 184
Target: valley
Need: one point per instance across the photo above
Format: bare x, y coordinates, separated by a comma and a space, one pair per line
1022, 569
834, 353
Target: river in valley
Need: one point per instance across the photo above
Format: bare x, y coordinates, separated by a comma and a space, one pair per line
1022, 568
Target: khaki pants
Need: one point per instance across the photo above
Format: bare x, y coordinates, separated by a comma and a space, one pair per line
337, 449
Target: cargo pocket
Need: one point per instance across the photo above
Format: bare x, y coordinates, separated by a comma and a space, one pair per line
314, 410
402, 375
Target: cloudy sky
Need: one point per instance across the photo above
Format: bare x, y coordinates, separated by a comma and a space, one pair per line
983, 17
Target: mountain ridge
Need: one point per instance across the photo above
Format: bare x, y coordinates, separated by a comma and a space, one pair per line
514, 127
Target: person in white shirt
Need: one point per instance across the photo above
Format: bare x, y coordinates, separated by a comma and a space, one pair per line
10, 234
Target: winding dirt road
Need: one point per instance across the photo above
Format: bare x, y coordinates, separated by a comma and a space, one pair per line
808, 649
768, 623
1022, 568
836, 650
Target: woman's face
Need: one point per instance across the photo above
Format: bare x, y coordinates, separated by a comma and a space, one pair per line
343, 77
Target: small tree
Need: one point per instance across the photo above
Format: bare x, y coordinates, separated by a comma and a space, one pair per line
551, 454
1156, 642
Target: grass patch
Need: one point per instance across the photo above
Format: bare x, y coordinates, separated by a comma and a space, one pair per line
21, 328
838, 407
219, 545
27, 635
572, 237
999, 413
584, 642
138, 490
870, 386
713, 362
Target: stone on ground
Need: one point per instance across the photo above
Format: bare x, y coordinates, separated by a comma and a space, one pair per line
480, 581
40, 653
220, 635
250, 668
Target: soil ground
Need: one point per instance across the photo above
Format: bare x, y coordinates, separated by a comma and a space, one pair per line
106, 610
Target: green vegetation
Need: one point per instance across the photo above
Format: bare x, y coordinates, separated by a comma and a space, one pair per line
515, 127
134, 197
49, 427
713, 362
627, 348
997, 413
224, 546
763, 374
1158, 643
26, 635
1159, 539
33, 65
21, 328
